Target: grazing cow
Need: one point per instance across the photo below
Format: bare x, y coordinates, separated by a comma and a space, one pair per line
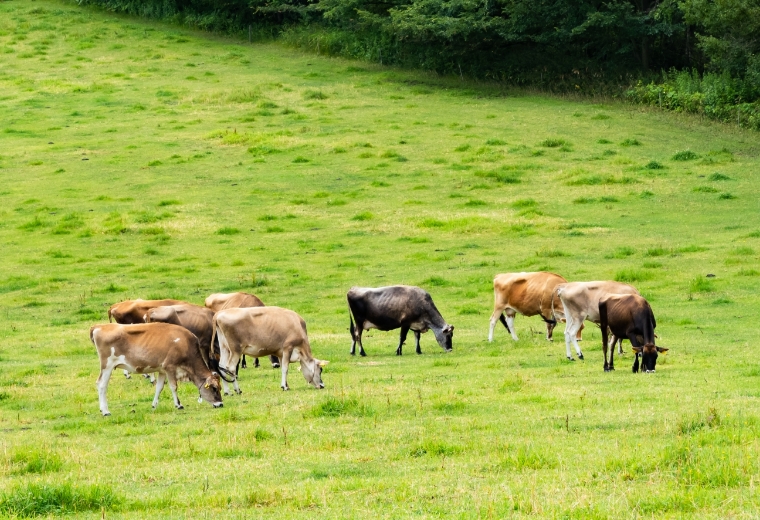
397, 306
133, 311
172, 351
529, 294
239, 300
194, 318
580, 300
629, 316
265, 331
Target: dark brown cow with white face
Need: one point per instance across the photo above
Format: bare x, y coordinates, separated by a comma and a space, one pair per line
529, 294
629, 316
133, 311
172, 351
194, 318
239, 300
265, 331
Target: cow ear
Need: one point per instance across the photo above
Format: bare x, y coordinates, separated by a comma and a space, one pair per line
636, 350
322, 362
661, 349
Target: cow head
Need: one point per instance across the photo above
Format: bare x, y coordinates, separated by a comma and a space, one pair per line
210, 390
648, 357
312, 371
444, 337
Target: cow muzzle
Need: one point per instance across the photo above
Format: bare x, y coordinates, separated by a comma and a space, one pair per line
218, 405
649, 371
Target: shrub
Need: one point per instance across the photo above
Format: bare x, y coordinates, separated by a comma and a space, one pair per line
654, 165
685, 155
56, 499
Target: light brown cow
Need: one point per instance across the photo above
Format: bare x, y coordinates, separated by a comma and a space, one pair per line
194, 318
133, 311
171, 350
529, 294
580, 301
239, 300
263, 331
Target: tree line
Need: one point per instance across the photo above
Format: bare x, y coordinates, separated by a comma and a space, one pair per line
690, 55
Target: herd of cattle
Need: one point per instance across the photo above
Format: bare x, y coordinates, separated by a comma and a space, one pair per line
180, 341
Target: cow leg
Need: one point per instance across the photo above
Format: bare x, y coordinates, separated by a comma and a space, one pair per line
102, 384
579, 334
417, 339
256, 363
620, 345
127, 374
159, 387
284, 367
606, 343
550, 330
511, 323
243, 364
496, 316
275, 361
572, 327
358, 338
173, 388
402, 339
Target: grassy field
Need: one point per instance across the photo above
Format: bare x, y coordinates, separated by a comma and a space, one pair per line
142, 160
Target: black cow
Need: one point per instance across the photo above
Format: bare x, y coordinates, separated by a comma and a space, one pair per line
629, 316
398, 306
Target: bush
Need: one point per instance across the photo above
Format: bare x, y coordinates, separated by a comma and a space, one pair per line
55, 499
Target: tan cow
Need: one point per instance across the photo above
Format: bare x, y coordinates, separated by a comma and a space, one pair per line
529, 294
239, 300
133, 311
194, 318
265, 331
580, 301
171, 350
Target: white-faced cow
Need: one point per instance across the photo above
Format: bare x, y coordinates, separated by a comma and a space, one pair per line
265, 331
529, 294
398, 306
239, 300
629, 316
194, 318
172, 351
580, 300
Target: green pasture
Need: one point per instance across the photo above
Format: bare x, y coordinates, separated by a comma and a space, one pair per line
143, 160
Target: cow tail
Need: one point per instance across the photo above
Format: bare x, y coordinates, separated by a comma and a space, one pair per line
352, 328
554, 315
92, 335
213, 336
109, 315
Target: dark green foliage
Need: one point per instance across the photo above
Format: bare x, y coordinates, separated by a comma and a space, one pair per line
55, 499
685, 155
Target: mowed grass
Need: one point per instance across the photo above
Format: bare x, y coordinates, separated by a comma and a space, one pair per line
143, 160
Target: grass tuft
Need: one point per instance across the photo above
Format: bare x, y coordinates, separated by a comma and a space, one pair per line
55, 499
227, 231
685, 155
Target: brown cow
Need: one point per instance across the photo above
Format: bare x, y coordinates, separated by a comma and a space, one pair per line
194, 318
263, 331
239, 300
629, 316
171, 350
133, 311
529, 294
580, 301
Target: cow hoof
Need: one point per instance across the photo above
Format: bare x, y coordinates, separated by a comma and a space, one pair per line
238, 392
352, 353
363, 354
275, 365
284, 388
107, 414
580, 356
570, 359
180, 407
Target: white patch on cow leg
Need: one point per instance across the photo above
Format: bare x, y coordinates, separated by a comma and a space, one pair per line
284, 366
173, 388
570, 331
127, 374
511, 324
494, 320
225, 387
159, 387
102, 384
236, 386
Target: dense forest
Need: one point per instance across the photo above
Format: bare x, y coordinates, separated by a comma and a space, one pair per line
691, 55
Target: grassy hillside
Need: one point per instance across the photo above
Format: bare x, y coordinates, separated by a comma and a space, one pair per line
141, 160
